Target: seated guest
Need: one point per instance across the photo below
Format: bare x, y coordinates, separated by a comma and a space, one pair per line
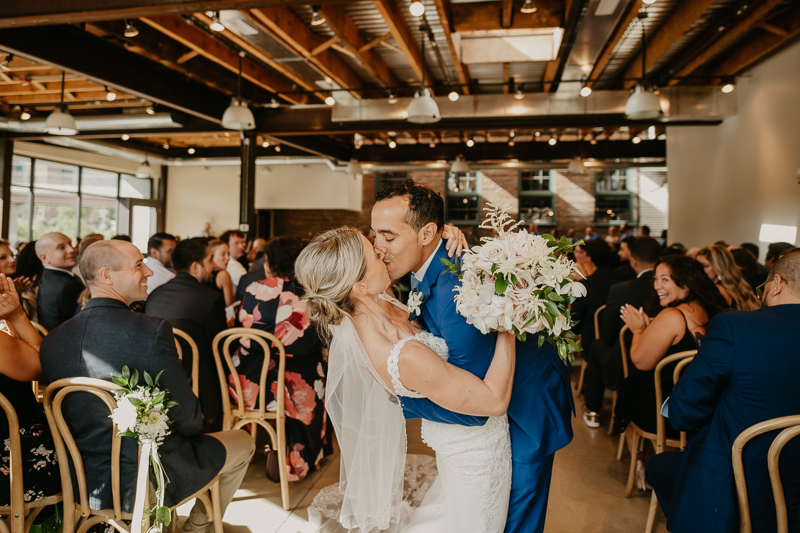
236, 242
19, 364
612, 238
8, 267
198, 310
721, 268
273, 304
745, 372
159, 260
624, 270
256, 250
59, 288
625, 232
604, 356
220, 279
774, 251
583, 262
644, 231
85, 242
745, 261
597, 285
754, 249
29, 268
689, 299
97, 343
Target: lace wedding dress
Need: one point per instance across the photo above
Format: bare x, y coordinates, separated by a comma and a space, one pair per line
471, 491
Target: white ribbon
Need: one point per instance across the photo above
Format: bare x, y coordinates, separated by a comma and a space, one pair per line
141, 488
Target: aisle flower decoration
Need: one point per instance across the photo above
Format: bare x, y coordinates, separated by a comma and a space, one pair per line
142, 413
519, 282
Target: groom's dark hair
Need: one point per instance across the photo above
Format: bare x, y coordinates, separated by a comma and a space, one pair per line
424, 204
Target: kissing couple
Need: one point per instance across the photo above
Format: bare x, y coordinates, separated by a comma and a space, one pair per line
494, 409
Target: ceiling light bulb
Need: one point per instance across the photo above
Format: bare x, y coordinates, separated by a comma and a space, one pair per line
528, 7
636, 140
728, 88
25, 115
538, 133
511, 143
585, 91
165, 146
265, 144
432, 144
190, 150
216, 25
277, 148
149, 110
512, 134
392, 144
329, 100
392, 97
130, 29
470, 142
552, 141
273, 103
453, 96
417, 8
110, 95
649, 2
586, 68
125, 136
519, 95
316, 18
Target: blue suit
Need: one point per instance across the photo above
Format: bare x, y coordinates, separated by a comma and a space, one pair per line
746, 371
541, 401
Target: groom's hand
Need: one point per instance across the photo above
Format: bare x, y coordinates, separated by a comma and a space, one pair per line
456, 242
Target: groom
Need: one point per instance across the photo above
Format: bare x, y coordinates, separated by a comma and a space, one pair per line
407, 220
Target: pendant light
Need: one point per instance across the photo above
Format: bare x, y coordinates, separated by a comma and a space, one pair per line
643, 104
144, 170
576, 166
216, 25
130, 29
354, 168
459, 166
423, 109
60, 122
528, 7
316, 18
238, 116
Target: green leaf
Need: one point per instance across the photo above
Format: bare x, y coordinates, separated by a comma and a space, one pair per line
160, 398
127, 434
549, 237
122, 382
554, 296
500, 286
126, 373
541, 340
169, 404
551, 307
148, 379
155, 381
549, 319
163, 515
520, 336
135, 401
562, 351
134, 380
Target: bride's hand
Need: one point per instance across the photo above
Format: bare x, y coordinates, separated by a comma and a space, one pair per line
456, 241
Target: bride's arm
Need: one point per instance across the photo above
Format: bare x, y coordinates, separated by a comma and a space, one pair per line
453, 388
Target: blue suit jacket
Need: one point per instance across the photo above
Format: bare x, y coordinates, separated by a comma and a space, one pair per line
541, 401
745, 372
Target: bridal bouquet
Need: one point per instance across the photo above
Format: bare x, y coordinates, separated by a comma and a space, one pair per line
142, 413
519, 282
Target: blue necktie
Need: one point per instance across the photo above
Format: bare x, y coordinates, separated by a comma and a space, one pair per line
414, 282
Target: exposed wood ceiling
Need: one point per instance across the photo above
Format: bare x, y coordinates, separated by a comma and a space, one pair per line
367, 49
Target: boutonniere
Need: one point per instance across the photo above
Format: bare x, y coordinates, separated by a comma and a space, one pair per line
414, 303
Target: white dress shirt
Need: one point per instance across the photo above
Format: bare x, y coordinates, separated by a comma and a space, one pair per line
420, 274
236, 270
161, 274
639, 275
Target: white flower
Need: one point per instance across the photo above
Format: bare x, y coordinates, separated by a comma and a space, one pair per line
561, 324
124, 416
525, 285
495, 251
577, 290
414, 302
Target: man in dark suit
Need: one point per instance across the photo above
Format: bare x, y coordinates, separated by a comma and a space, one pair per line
200, 312
97, 343
59, 288
604, 355
745, 372
625, 270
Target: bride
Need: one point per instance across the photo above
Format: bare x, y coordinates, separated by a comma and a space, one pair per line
377, 357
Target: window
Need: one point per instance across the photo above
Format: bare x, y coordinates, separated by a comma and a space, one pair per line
49, 196
612, 198
536, 198
386, 178
463, 199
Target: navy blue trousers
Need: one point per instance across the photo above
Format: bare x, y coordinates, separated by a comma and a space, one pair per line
530, 489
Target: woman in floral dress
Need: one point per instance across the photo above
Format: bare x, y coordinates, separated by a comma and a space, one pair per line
273, 304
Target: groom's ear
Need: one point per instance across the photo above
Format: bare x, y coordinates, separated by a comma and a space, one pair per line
429, 232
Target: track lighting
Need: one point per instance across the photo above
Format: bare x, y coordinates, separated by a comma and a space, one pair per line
470, 142
453, 96
110, 95
392, 97
392, 144
528, 7
329, 100
728, 88
519, 95
6, 61
216, 25
25, 115
417, 8
316, 18
636, 140
552, 141
125, 136
149, 110
165, 146
190, 150
277, 148
265, 144
130, 29
585, 91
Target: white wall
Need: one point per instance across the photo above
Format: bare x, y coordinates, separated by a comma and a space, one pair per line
726, 181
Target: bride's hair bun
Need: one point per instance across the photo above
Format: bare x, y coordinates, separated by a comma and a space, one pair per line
327, 269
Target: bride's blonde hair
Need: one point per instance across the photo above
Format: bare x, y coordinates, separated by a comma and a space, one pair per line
327, 269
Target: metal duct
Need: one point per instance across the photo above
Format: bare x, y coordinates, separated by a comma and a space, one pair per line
678, 103
100, 123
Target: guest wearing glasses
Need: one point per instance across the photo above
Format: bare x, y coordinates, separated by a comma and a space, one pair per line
720, 267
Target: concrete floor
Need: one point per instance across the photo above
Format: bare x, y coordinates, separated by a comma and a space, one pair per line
586, 495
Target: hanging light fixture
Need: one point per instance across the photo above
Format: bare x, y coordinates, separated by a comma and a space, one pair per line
528, 7
130, 29
423, 109
585, 91
459, 166
238, 116
60, 122
144, 170
216, 25
519, 95
316, 18
392, 97
643, 104
417, 8
470, 142
354, 168
576, 166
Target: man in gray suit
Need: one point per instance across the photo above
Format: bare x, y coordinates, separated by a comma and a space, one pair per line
101, 339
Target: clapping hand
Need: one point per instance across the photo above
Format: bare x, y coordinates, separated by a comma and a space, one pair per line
9, 298
23, 284
456, 241
636, 319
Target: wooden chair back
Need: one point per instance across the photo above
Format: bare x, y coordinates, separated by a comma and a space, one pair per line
792, 423
29, 305
597, 321
16, 510
37, 391
685, 358
624, 349
39, 328
195, 375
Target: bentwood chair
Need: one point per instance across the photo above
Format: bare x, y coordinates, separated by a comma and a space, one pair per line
182, 335
624, 350
683, 358
588, 343
792, 425
19, 514
37, 390
30, 306
238, 416
65, 444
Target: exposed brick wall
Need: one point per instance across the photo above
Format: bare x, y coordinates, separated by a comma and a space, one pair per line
574, 202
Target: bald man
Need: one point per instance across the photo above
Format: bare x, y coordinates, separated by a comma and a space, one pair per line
59, 288
97, 343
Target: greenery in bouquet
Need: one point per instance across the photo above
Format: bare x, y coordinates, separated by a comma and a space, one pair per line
519, 282
142, 413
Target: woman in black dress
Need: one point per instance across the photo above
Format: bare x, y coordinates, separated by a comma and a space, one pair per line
273, 304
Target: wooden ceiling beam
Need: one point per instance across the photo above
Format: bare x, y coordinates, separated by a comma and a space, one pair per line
605, 56
443, 10
757, 48
748, 21
491, 16
281, 23
676, 24
354, 40
404, 37
574, 11
375, 42
177, 29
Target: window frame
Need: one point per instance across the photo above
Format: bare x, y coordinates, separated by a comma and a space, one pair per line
550, 192
380, 181
627, 193
463, 194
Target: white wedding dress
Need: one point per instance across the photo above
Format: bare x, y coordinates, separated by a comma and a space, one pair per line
471, 491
